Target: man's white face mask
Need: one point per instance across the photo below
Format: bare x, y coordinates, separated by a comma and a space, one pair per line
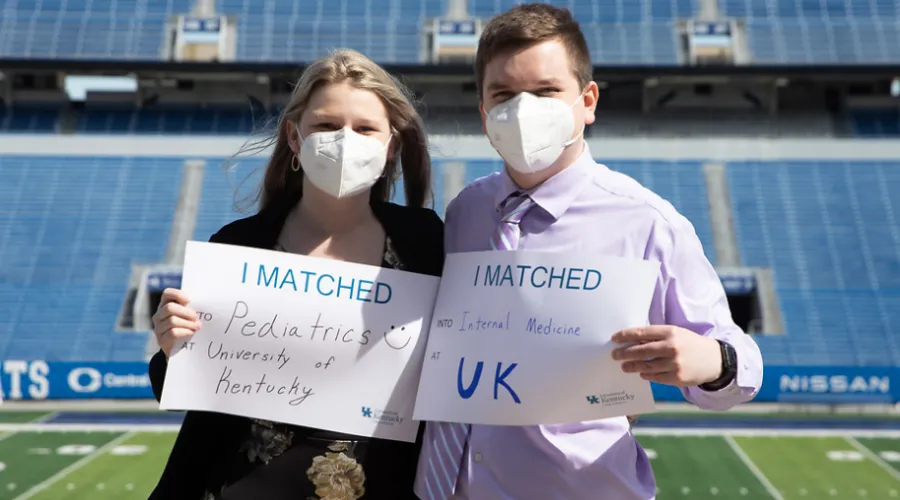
342, 163
531, 132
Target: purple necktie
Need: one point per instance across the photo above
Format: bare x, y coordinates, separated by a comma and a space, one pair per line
506, 235
445, 442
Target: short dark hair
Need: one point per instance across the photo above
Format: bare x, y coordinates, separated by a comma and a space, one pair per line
529, 24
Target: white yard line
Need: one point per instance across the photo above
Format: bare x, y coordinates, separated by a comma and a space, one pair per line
34, 490
736, 448
874, 457
38, 427
752, 432
45, 417
11, 433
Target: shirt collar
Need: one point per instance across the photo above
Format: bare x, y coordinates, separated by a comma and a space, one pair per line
556, 194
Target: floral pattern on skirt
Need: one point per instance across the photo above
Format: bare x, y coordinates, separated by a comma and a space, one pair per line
333, 474
336, 475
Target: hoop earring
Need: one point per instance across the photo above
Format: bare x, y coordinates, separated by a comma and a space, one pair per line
295, 163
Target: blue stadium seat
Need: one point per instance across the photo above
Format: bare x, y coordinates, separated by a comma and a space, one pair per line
830, 232
29, 119
69, 232
875, 123
386, 30
389, 31
229, 189
269, 30
601, 11
171, 120
617, 32
100, 29
819, 32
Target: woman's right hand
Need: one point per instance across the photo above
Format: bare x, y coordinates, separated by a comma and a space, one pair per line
174, 321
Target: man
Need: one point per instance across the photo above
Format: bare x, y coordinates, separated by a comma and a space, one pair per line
534, 76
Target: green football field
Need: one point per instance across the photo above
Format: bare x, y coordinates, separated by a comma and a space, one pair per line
101, 464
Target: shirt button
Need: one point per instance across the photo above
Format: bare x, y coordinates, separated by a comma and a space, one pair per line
478, 458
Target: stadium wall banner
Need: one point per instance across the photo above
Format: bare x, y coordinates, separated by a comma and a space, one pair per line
39, 380
817, 385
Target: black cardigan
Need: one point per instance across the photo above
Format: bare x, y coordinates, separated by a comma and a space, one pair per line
207, 442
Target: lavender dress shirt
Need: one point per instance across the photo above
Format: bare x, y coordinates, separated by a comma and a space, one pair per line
588, 208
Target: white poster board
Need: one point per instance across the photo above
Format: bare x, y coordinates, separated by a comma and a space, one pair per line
306, 341
523, 338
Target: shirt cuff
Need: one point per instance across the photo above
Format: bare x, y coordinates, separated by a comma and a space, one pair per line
744, 386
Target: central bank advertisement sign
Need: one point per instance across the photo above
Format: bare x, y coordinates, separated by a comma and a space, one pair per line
38, 380
817, 385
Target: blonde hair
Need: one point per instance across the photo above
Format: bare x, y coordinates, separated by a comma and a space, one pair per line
409, 146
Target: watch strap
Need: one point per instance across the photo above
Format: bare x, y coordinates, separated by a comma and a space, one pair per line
729, 368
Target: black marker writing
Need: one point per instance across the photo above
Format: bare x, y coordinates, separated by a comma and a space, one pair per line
326, 364
218, 350
323, 333
396, 345
271, 328
262, 386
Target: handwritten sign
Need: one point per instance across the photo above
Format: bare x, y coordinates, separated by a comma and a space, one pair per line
312, 342
523, 338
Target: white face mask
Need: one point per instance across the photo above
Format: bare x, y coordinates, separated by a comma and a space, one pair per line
531, 132
342, 163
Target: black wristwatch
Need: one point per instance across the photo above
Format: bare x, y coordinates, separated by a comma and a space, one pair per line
729, 369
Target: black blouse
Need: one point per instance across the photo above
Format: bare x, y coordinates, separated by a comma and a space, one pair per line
215, 450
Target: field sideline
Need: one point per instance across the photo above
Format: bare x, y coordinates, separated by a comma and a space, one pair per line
78, 456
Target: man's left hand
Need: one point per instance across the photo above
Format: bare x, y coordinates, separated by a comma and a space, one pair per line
669, 355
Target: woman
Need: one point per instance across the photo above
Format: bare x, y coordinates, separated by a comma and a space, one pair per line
339, 143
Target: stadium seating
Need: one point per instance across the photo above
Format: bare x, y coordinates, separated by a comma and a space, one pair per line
100, 29
389, 31
618, 32
30, 119
818, 32
830, 231
69, 231
229, 189
69, 236
67, 249
172, 119
386, 30
875, 123
106, 118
